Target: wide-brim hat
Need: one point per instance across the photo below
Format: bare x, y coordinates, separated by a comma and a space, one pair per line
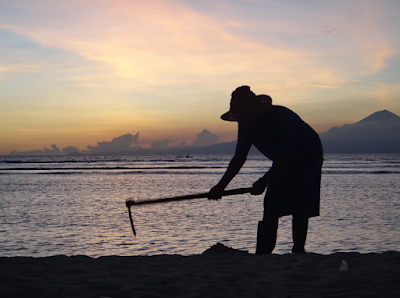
246, 105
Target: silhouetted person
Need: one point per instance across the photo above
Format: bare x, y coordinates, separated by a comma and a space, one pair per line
295, 176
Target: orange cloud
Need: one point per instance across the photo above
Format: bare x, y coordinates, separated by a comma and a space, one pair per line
156, 41
320, 86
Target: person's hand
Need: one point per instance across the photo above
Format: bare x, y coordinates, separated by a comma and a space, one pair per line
215, 193
258, 187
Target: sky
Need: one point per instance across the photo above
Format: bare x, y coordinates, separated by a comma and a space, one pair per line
79, 72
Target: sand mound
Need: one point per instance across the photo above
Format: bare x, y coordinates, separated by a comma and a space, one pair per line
220, 248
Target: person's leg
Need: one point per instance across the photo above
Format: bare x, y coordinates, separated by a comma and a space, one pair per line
266, 235
299, 234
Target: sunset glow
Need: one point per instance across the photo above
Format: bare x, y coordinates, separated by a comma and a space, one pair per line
74, 73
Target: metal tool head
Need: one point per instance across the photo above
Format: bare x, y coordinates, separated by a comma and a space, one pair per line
131, 219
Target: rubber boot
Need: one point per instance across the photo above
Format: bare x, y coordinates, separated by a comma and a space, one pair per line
299, 235
266, 236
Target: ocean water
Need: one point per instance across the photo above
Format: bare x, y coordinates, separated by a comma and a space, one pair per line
52, 205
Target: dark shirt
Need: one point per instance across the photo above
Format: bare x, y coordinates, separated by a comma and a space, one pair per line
280, 133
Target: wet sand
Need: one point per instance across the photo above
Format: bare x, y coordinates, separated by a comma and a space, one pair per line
218, 272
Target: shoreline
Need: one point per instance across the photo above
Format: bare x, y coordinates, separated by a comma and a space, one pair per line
214, 273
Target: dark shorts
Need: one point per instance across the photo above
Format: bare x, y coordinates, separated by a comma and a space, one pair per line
296, 191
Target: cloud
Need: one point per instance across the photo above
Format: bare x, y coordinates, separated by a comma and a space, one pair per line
152, 41
320, 86
205, 138
127, 142
45, 151
163, 144
122, 143
69, 149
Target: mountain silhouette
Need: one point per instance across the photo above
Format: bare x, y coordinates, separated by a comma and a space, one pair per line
381, 116
377, 133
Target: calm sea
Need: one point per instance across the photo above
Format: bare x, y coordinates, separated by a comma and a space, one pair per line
76, 205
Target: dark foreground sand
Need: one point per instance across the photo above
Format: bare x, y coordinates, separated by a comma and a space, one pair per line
215, 273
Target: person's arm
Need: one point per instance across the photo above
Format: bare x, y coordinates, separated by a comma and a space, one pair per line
243, 146
234, 167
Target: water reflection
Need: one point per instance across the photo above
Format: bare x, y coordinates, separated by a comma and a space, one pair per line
85, 213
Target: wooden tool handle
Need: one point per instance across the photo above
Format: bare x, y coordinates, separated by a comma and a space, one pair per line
236, 191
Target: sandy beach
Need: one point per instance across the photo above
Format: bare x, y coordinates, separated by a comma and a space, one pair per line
217, 272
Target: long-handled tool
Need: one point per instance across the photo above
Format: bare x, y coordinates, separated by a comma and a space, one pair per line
129, 203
